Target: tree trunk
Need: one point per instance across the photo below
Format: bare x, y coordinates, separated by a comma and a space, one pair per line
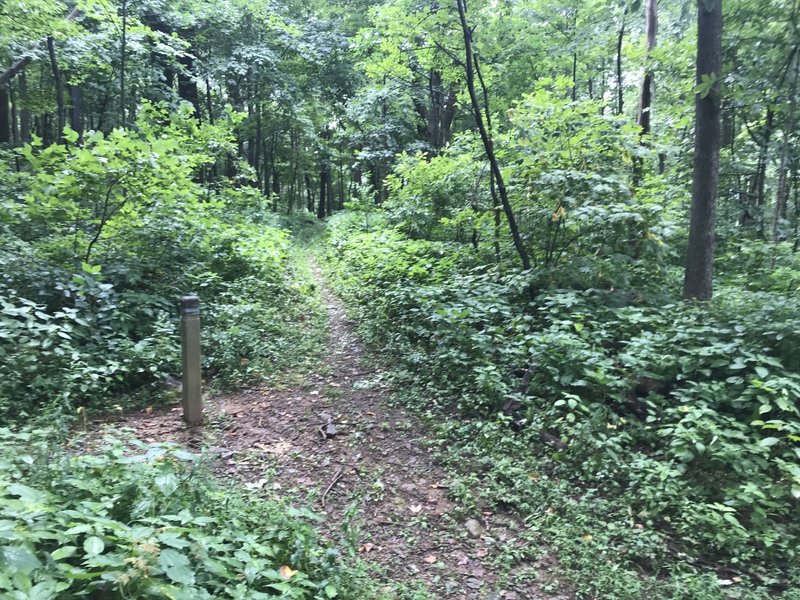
756, 190
574, 76
323, 190
187, 85
24, 113
76, 111
14, 98
620, 38
257, 143
329, 202
488, 143
123, 55
58, 78
5, 117
440, 112
782, 192
276, 179
700, 254
646, 91
209, 103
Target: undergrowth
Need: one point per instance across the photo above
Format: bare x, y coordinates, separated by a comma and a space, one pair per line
131, 520
652, 443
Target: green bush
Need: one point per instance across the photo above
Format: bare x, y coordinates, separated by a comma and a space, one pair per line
144, 521
683, 418
98, 244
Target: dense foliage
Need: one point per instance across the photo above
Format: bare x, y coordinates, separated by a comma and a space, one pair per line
667, 432
139, 521
523, 184
99, 244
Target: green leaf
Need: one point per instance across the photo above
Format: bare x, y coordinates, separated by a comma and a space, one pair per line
19, 560
768, 442
27, 494
762, 372
330, 591
93, 545
91, 269
176, 566
63, 552
70, 135
166, 482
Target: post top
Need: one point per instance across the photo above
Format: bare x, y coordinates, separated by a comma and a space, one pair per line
190, 305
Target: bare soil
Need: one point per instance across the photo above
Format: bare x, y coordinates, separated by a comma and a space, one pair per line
335, 443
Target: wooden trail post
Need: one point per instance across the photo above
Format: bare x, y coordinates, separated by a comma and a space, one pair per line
190, 355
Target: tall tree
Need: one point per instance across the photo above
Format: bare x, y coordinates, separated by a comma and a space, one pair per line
646, 92
700, 252
488, 142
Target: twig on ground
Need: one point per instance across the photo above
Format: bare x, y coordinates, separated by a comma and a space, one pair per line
335, 479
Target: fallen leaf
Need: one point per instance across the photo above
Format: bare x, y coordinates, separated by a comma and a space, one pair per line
415, 509
366, 547
430, 559
482, 552
286, 572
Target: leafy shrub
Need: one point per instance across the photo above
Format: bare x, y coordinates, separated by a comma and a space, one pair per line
136, 520
101, 241
678, 417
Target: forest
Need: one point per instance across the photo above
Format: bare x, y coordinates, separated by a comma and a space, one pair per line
534, 265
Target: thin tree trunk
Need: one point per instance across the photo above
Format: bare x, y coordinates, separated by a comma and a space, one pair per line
209, 103
697, 283
24, 113
782, 192
122, 57
58, 78
14, 98
574, 76
620, 38
329, 202
646, 92
341, 186
5, 117
757, 185
488, 143
76, 110
276, 180
323, 190
257, 149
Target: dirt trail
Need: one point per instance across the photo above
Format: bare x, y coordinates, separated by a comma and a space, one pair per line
336, 443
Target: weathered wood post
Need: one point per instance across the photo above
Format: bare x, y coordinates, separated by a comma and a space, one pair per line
190, 354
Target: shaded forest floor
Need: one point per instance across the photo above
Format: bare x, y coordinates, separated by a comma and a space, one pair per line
334, 443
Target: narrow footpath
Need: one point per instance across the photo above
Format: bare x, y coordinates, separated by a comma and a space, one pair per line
336, 445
